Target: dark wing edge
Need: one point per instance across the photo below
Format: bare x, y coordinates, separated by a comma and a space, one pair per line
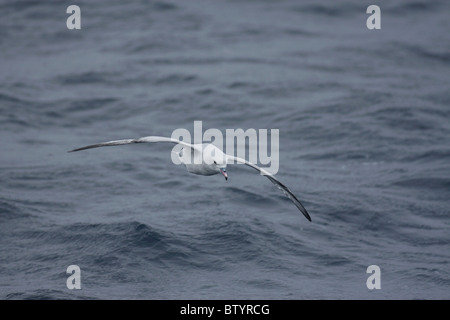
148, 139
277, 183
107, 144
291, 196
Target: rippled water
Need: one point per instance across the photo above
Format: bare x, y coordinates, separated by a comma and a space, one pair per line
364, 143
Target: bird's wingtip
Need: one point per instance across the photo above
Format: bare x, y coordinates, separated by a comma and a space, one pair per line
307, 216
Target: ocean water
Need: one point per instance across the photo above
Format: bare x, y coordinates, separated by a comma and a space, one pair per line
364, 122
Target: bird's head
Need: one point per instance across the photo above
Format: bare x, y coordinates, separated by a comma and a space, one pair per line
216, 159
222, 168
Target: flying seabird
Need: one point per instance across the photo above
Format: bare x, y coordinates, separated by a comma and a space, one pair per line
206, 160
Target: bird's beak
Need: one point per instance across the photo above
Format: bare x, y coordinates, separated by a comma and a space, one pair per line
224, 172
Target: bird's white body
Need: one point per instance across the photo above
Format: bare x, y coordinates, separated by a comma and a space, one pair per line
203, 159
201, 169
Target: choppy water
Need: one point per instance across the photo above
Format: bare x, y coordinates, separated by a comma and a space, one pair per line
364, 143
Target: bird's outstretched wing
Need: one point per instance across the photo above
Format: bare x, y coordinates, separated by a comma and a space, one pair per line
275, 181
148, 139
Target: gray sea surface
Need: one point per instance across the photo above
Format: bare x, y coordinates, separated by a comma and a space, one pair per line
364, 123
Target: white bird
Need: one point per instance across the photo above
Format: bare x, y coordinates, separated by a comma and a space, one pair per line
206, 160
